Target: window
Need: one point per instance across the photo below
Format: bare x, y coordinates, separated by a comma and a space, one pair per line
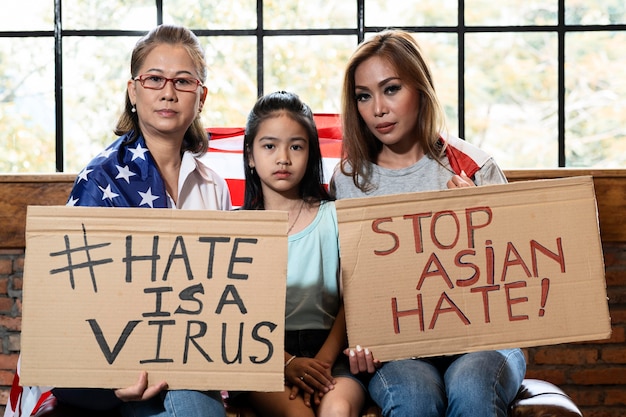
536, 82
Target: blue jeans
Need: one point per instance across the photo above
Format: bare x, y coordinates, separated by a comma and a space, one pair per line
177, 403
473, 384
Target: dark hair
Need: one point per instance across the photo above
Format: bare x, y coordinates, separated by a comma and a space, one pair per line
272, 105
360, 146
196, 136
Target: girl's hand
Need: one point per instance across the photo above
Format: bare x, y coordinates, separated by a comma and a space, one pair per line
140, 391
317, 398
460, 181
362, 360
309, 375
306, 397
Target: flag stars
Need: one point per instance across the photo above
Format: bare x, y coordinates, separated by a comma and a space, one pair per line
107, 193
82, 175
138, 152
106, 153
124, 172
72, 201
147, 197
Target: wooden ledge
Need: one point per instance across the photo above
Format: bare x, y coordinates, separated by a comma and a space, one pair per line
536, 174
17, 191
37, 178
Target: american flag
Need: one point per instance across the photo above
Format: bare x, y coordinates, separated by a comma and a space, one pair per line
28, 401
106, 180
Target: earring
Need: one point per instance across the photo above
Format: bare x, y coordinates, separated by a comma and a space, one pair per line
251, 170
133, 109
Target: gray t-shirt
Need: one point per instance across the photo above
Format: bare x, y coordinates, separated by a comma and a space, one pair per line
425, 175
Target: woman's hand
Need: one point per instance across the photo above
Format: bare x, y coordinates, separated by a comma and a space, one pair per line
460, 181
140, 391
309, 375
362, 360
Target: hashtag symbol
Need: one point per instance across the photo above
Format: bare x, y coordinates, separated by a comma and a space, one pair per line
90, 264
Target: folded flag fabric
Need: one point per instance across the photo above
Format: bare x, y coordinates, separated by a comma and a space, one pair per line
28, 401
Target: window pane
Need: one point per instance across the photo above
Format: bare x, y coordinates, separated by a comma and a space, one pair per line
231, 80
411, 13
595, 100
586, 12
211, 14
511, 97
27, 15
110, 14
311, 68
95, 71
511, 12
27, 105
440, 51
311, 14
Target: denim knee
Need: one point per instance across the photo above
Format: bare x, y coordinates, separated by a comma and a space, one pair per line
409, 387
194, 403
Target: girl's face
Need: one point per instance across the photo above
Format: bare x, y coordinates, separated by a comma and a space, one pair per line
167, 112
280, 152
388, 105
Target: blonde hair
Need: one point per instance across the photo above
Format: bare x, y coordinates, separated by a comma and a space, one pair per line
360, 146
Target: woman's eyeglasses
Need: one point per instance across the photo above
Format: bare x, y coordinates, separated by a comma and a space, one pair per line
157, 82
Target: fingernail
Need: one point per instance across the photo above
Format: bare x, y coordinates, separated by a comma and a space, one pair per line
367, 351
358, 348
352, 353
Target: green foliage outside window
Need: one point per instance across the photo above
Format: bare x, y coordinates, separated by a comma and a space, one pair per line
511, 77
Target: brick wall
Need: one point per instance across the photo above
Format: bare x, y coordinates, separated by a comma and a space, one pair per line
593, 373
11, 268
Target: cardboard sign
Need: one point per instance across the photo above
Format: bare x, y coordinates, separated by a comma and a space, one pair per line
454, 271
196, 298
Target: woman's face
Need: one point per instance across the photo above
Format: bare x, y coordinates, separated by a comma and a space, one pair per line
387, 104
167, 113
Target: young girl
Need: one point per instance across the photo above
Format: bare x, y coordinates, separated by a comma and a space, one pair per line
392, 123
283, 165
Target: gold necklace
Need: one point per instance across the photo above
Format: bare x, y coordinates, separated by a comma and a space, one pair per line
297, 217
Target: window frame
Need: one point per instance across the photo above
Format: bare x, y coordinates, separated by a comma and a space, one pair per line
360, 30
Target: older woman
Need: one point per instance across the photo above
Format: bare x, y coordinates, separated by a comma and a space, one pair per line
154, 163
